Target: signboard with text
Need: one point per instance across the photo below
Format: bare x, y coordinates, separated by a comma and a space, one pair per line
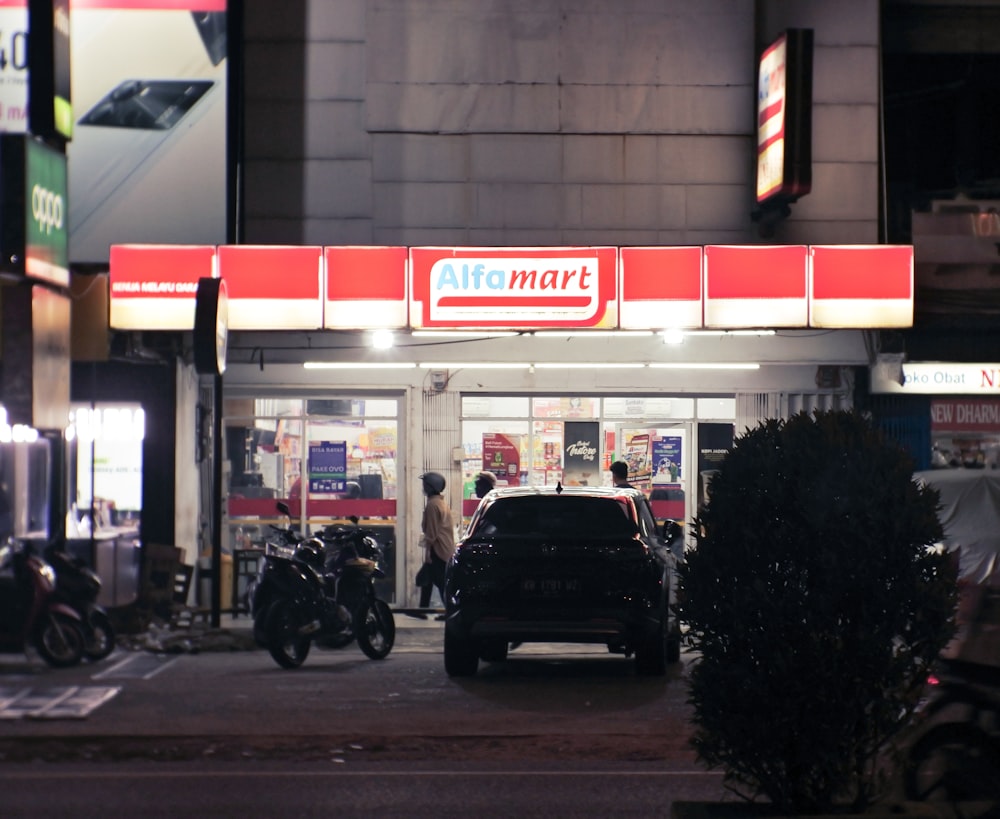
327, 467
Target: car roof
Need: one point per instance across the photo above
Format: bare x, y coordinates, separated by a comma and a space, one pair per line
563, 491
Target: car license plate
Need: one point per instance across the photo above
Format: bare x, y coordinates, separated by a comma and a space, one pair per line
550, 586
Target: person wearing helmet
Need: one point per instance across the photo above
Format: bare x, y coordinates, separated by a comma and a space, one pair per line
485, 481
438, 536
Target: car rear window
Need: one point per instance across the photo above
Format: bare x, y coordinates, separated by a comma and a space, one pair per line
557, 516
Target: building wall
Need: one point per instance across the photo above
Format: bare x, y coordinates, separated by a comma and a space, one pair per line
544, 122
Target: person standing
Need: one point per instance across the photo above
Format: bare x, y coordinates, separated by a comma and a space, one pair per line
485, 481
619, 474
438, 533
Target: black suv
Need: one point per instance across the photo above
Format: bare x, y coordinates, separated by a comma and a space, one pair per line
561, 564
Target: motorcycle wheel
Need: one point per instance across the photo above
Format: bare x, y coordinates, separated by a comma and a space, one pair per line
287, 647
100, 639
375, 629
953, 762
60, 641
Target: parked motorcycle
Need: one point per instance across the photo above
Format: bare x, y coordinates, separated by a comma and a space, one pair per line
321, 590
30, 613
956, 757
78, 586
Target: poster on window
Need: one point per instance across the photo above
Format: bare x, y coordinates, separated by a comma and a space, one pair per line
714, 441
581, 458
667, 459
502, 457
327, 467
636, 453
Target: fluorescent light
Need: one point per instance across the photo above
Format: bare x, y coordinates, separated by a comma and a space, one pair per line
690, 365
591, 333
673, 336
359, 365
474, 365
589, 365
729, 332
464, 333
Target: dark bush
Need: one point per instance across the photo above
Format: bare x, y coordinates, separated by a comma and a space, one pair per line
817, 605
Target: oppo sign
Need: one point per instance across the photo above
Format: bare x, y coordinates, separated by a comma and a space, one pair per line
46, 209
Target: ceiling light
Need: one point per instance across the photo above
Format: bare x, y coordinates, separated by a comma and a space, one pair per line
474, 365
359, 365
689, 365
589, 365
382, 339
673, 336
729, 332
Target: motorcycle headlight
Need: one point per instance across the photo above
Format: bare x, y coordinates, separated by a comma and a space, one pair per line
47, 572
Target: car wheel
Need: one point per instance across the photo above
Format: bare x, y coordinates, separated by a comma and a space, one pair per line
461, 659
651, 654
493, 651
287, 647
376, 629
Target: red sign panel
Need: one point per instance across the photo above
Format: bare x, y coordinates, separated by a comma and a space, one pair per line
661, 287
366, 287
153, 287
756, 286
513, 287
272, 287
861, 286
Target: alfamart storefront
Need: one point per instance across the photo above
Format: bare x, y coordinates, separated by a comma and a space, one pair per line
351, 370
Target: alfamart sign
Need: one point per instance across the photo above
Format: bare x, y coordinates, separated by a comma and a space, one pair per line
271, 287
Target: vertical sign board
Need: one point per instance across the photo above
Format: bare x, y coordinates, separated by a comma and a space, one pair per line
35, 384
50, 111
784, 118
327, 467
34, 238
582, 445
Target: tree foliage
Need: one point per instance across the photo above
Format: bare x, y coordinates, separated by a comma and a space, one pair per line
816, 604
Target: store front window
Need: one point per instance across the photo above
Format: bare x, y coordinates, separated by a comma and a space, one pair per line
573, 440
104, 448
327, 459
25, 470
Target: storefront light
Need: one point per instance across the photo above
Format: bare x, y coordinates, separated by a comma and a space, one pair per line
589, 365
18, 433
729, 332
705, 365
359, 365
591, 333
673, 336
107, 424
474, 365
382, 339
464, 333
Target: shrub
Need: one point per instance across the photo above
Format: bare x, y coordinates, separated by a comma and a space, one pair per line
817, 606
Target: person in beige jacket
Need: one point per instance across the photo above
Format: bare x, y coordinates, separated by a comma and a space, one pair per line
438, 531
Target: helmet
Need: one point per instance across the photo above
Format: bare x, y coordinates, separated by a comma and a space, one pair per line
434, 483
352, 489
311, 552
485, 481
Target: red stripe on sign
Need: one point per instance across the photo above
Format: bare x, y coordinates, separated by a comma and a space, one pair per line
772, 110
514, 301
755, 272
862, 272
149, 5
270, 271
136, 270
354, 273
661, 273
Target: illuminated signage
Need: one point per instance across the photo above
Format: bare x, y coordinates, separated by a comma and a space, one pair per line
517, 287
938, 378
35, 234
632, 288
784, 117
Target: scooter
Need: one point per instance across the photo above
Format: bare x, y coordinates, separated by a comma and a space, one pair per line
78, 586
321, 590
30, 614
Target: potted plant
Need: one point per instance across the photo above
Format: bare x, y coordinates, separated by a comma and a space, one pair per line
816, 605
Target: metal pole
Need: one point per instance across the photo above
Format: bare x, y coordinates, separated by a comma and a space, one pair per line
217, 503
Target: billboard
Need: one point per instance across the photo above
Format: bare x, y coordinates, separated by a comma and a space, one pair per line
147, 162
